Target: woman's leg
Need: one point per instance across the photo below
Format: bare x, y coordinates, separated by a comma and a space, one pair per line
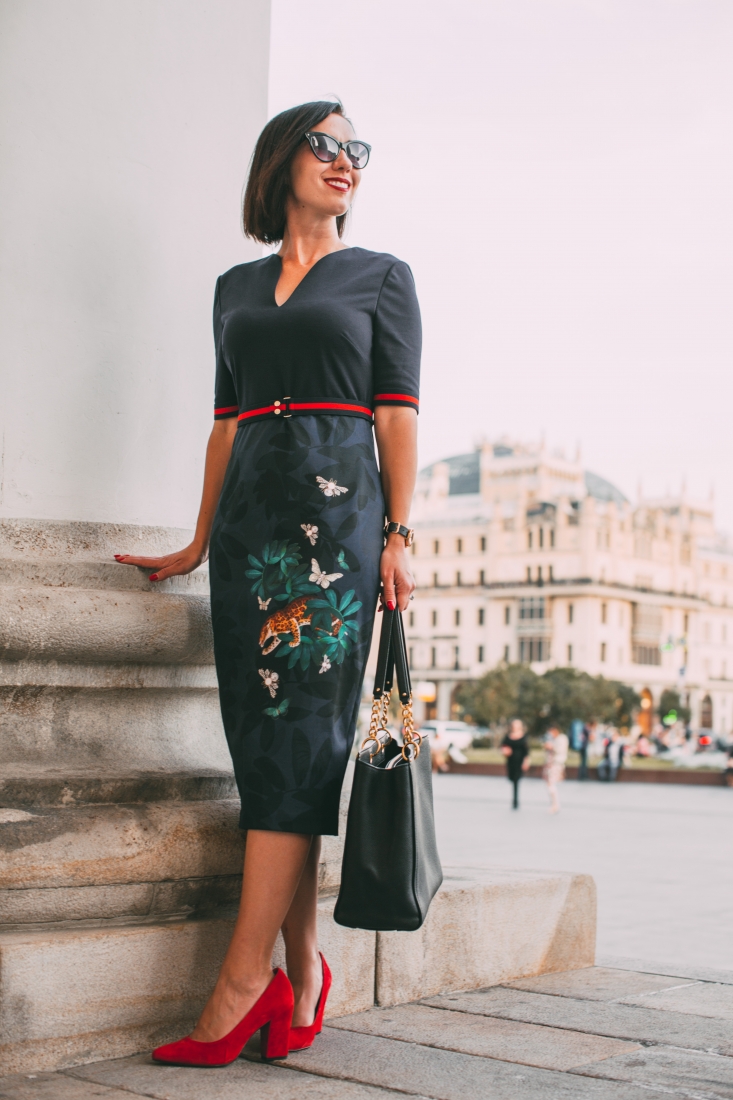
515, 803
273, 866
552, 790
300, 933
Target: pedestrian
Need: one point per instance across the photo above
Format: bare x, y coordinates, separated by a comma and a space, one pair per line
587, 736
515, 748
556, 753
317, 353
613, 757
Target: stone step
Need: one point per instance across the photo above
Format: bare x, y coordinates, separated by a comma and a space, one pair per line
77, 995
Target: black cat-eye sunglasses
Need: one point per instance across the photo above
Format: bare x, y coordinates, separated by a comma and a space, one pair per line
327, 148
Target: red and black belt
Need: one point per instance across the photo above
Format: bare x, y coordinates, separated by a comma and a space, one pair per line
287, 407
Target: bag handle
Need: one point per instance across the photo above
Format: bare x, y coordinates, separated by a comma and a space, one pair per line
392, 655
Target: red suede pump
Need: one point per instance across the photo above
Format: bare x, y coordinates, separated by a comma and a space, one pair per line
270, 1015
302, 1037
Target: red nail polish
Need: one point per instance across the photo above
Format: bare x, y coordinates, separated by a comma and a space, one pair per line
117, 557
390, 605
153, 577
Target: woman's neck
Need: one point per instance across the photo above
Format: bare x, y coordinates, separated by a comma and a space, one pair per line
308, 238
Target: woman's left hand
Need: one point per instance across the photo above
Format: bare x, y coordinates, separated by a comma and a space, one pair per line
398, 583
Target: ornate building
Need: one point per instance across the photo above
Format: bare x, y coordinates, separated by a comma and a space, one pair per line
521, 555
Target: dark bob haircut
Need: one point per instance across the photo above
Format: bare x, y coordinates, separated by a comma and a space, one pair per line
268, 186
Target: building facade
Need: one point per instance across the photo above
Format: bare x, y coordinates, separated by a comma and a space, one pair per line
522, 556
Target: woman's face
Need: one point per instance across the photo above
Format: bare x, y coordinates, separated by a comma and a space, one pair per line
326, 188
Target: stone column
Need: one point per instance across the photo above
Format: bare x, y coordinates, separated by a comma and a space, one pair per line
126, 131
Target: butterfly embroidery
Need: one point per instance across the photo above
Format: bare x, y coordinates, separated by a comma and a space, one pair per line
325, 664
321, 578
269, 680
264, 604
311, 532
330, 488
279, 710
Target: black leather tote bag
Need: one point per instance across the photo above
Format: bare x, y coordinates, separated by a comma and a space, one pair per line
391, 870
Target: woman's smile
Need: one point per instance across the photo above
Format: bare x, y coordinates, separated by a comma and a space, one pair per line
339, 183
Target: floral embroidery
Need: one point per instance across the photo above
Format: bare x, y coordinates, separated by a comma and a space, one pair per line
269, 680
264, 604
311, 532
321, 578
325, 664
330, 488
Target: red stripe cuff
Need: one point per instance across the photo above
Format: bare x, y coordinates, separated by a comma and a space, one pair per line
384, 397
227, 410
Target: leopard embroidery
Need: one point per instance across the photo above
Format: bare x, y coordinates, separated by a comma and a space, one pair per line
290, 621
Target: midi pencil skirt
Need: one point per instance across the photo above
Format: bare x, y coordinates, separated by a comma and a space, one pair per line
294, 568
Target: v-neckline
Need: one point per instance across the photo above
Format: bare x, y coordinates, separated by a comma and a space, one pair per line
298, 285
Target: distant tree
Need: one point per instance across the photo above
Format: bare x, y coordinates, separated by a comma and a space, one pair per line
558, 697
506, 692
671, 700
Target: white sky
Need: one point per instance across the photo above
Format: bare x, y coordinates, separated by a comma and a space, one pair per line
559, 176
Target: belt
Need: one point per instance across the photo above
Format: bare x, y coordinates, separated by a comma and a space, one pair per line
286, 407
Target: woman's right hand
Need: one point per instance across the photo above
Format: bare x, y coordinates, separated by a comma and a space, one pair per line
168, 565
506, 750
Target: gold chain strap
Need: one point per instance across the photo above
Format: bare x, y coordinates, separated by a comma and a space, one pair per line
411, 739
378, 726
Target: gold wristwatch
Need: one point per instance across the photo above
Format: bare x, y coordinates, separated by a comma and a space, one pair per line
392, 528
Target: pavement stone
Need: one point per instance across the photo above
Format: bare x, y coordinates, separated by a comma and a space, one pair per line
697, 998
142, 1077
54, 1086
447, 1075
693, 1074
614, 1020
525, 1044
597, 983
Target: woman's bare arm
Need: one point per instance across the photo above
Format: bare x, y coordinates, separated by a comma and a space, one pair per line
396, 430
218, 451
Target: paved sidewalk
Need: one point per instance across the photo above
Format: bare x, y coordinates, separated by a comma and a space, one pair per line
598, 1033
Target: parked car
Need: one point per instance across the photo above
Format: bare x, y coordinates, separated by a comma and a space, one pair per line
449, 737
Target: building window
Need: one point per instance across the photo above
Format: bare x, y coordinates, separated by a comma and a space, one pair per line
529, 539
432, 656
571, 612
646, 655
552, 536
552, 575
604, 612
412, 618
542, 537
532, 607
459, 546
434, 617
507, 615
436, 546
435, 580
533, 649
483, 543
456, 657
529, 575
603, 651
480, 616
506, 654
480, 654
458, 579
412, 657
539, 574
457, 616
570, 654
481, 577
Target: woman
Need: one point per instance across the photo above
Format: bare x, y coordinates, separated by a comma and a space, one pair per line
556, 753
312, 345
515, 748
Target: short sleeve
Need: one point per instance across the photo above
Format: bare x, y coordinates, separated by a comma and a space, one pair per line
397, 340
225, 393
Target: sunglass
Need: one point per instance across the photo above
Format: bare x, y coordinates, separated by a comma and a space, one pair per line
327, 148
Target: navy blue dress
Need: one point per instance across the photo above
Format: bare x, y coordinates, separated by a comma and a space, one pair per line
297, 538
